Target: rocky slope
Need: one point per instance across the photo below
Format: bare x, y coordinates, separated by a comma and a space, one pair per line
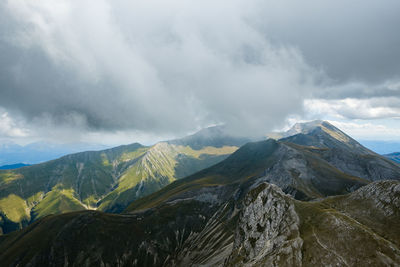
323, 134
343, 152
107, 180
242, 226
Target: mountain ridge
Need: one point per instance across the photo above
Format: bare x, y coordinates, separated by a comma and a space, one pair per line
108, 179
271, 202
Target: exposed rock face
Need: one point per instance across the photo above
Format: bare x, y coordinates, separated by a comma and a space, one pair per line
342, 152
372, 167
385, 196
268, 230
304, 175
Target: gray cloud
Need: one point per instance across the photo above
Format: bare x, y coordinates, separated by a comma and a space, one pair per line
174, 66
350, 40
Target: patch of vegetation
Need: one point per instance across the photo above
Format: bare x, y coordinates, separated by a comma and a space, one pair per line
14, 208
56, 202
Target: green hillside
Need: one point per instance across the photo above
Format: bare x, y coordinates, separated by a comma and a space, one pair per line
107, 180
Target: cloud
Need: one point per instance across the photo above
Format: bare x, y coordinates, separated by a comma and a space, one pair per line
351, 108
360, 90
126, 65
10, 128
169, 67
351, 40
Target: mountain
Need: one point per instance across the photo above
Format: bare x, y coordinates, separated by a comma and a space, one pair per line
322, 134
270, 203
217, 136
13, 166
393, 156
107, 180
296, 170
343, 152
228, 215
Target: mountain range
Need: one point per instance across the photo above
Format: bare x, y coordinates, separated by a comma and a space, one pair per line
315, 197
106, 180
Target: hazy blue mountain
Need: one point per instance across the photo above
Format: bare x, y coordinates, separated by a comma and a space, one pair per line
13, 166
382, 147
394, 156
11, 153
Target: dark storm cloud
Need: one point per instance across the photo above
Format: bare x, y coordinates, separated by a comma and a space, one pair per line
350, 40
173, 66
360, 90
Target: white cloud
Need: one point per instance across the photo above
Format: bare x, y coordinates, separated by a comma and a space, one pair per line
352, 108
9, 128
165, 67
173, 68
370, 130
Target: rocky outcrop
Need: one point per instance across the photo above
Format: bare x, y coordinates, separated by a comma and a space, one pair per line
384, 195
268, 230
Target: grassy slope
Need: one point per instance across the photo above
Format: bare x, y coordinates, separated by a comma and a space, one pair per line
63, 184
350, 231
111, 179
163, 164
57, 201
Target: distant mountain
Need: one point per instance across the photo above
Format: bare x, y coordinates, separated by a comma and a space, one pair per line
108, 180
13, 166
393, 156
11, 153
216, 136
382, 147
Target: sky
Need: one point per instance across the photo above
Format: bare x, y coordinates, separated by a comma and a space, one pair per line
114, 71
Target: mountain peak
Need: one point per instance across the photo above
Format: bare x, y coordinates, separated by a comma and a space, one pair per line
322, 134
307, 127
216, 136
